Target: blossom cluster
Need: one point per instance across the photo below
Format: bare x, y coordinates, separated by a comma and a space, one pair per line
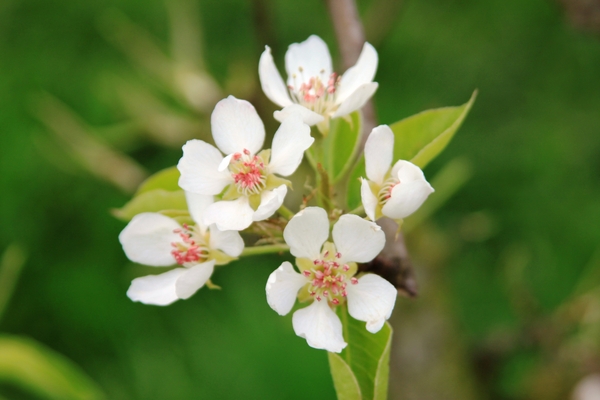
237, 183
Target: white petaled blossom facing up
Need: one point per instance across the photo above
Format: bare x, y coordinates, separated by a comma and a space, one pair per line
159, 241
313, 90
245, 178
395, 192
327, 277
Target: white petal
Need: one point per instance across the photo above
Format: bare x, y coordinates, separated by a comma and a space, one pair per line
308, 59
199, 169
356, 100
158, 290
197, 205
271, 81
306, 232
225, 162
362, 72
320, 326
282, 288
229, 242
357, 239
289, 143
309, 117
379, 151
232, 215
369, 200
147, 239
193, 279
371, 300
409, 194
236, 126
270, 201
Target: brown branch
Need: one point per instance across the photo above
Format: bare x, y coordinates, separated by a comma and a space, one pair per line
394, 259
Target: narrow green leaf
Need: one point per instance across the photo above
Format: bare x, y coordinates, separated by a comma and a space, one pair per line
353, 192
344, 381
157, 200
341, 144
367, 355
40, 370
336, 151
166, 179
421, 137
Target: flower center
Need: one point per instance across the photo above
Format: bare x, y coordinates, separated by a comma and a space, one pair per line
318, 94
328, 279
385, 193
191, 249
248, 172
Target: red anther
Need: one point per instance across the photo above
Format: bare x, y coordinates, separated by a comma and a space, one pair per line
344, 294
326, 253
326, 293
346, 267
354, 281
318, 298
312, 293
319, 274
338, 255
306, 273
316, 282
335, 264
335, 301
247, 152
317, 262
236, 156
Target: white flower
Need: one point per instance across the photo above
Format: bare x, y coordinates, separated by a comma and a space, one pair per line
394, 192
245, 178
313, 90
327, 277
159, 241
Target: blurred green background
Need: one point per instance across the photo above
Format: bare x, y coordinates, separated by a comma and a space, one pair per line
95, 95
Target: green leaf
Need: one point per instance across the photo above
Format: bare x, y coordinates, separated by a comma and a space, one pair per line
421, 137
344, 380
40, 370
167, 179
353, 198
418, 139
336, 151
157, 200
365, 361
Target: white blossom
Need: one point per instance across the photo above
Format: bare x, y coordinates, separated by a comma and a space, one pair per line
313, 90
156, 240
245, 178
395, 192
327, 277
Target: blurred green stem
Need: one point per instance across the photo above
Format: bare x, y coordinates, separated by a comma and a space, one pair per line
268, 249
285, 212
360, 210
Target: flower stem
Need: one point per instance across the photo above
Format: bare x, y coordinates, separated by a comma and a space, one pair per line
360, 210
268, 249
285, 212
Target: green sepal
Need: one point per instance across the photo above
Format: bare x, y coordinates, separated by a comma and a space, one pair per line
156, 200
361, 370
220, 257
230, 193
274, 181
166, 179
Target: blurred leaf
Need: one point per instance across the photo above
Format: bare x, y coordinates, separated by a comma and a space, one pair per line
166, 179
421, 137
40, 370
365, 361
157, 200
11, 263
449, 180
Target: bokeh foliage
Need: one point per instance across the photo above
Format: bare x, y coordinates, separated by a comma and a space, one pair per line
506, 255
